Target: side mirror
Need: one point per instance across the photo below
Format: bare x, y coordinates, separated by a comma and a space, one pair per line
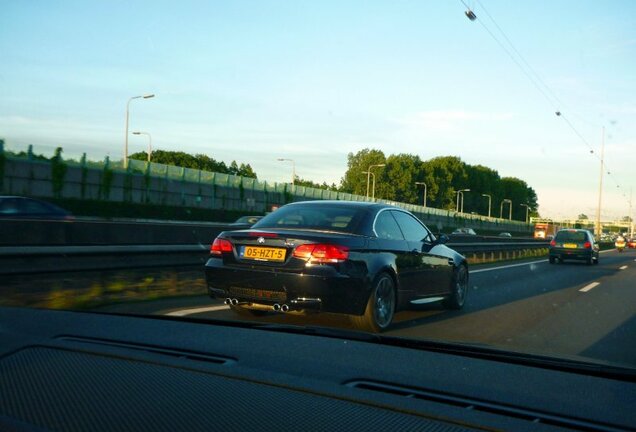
442, 239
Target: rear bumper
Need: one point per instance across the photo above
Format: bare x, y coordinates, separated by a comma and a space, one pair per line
320, 288
577, 254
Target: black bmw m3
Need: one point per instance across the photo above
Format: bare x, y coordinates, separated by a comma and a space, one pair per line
366, 260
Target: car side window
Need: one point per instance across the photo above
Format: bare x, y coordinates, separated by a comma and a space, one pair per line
33, 207
9, 206
413, 230
387, 228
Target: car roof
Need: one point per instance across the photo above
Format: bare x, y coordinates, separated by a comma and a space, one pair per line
342, 203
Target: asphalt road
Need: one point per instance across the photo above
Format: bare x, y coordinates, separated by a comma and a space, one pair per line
567, 309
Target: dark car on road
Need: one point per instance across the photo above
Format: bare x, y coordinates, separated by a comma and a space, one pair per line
245, 221
573, 244
464, 231
366, 260
17, 207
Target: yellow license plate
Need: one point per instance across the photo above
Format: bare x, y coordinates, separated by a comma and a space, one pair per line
264, 253
570, 245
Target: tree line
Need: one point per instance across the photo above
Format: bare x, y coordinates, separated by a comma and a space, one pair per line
397, 180
444, 176
197, 161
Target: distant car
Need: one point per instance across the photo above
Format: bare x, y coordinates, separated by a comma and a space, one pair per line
246, 221
631, 243
464, 231
505, 234
573, 244
17, 207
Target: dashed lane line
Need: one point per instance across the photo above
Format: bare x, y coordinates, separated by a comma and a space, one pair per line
622, 267
191, 311
588, 287
508, 266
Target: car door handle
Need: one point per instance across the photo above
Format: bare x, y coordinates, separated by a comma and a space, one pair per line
451, 261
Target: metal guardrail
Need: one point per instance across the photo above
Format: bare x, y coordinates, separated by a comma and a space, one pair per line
479, 247
80, 258
22, 251
14, 251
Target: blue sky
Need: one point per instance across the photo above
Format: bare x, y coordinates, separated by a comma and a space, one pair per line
253, 81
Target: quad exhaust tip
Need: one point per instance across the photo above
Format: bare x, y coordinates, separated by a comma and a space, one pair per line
228, 301
284, 308
276, 307
234, 302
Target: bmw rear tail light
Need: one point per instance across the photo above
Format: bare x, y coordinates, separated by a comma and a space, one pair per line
322, 253
553, 243
587, 245
220, 246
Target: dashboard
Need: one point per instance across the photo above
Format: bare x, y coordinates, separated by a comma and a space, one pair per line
70, 371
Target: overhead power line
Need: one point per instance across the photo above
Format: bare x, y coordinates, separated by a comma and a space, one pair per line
534, 78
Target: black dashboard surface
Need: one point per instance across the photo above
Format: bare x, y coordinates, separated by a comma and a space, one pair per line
75, 371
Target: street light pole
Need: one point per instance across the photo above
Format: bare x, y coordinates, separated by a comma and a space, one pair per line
527, 209
466, 190
146, 96
149, 142
457, 207
424, 198
505, 200
368, 171
489, 202
600, 189
631, 218
372, 175
293, 168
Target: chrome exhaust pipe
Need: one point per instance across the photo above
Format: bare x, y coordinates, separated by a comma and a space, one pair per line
228, 301
276, 307
234, 302
284, 308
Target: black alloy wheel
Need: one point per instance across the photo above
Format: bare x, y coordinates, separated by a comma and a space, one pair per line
380, 309
459, 288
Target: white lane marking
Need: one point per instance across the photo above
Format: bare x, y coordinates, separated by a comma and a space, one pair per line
623, 267
184, 312
508, 266
588, 287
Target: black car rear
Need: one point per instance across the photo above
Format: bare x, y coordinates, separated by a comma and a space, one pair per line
362, 259
574, 244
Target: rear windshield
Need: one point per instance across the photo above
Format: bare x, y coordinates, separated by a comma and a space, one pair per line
572, 236
319, 217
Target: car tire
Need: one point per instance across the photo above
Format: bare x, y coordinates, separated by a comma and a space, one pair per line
551, 260
459, 287
589, 261
380, 308
596, 261
246, 312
